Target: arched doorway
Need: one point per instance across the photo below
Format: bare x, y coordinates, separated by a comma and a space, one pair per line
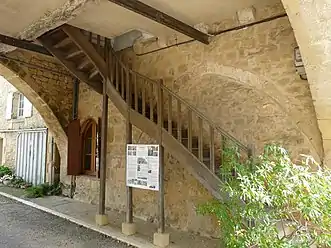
50, 119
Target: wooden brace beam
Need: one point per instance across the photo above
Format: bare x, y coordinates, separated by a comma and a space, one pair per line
162, 18
23, 44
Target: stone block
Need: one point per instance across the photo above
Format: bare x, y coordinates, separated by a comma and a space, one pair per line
161, 239
324, 126
246, 15
129, 228
101, 219
203, 27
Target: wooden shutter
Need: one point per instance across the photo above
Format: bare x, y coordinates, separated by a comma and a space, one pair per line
27, 111
74, 148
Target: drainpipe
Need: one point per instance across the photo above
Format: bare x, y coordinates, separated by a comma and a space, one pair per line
52, 161
74, 117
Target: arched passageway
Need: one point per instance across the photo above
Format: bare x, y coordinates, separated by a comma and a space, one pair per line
50, 94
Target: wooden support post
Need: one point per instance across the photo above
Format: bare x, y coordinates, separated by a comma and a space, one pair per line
128, 227
129, 206
129, 202
161, 153
74, 117
161, 238
101, 217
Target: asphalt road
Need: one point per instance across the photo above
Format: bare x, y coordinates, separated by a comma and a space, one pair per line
25, 227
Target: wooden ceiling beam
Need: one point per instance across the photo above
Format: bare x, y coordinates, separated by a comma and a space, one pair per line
23, 44
162, 18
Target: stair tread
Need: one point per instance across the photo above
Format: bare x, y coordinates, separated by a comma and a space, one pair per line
66, 41
73, 54
93, 73
83, 64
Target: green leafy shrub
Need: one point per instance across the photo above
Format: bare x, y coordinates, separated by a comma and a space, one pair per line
4, 170
35, 192
18, 182
273, 202
43, 190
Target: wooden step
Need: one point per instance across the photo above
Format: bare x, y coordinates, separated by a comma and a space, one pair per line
73, 53
66, 41
84, 64
93, 73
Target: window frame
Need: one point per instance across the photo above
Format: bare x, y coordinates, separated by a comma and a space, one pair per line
94, 153
20, 106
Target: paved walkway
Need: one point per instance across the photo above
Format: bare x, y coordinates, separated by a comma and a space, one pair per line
22, 226
84, 214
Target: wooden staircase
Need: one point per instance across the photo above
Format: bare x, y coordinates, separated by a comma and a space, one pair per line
186, 133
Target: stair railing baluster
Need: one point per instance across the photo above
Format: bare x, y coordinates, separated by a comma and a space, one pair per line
117, 78
113, 69
122, 81
143, 87
135, 82
170, 113
179, 121
212, 149
160, 107
151, 101
200, 139
189, 119
223, 147
128, 88
98, 44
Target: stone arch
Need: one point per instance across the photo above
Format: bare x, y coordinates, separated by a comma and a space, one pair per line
259, 84
42, 107
310, 22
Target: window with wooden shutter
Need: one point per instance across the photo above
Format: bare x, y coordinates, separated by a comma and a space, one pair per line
90, 148
74, 148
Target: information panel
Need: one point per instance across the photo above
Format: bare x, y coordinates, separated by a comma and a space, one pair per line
142, 166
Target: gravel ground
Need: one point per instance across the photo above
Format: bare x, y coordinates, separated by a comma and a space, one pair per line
25, 227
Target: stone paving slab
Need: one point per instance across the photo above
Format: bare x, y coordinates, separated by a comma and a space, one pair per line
84, 214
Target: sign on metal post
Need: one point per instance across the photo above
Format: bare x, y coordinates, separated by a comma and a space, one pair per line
142, 166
